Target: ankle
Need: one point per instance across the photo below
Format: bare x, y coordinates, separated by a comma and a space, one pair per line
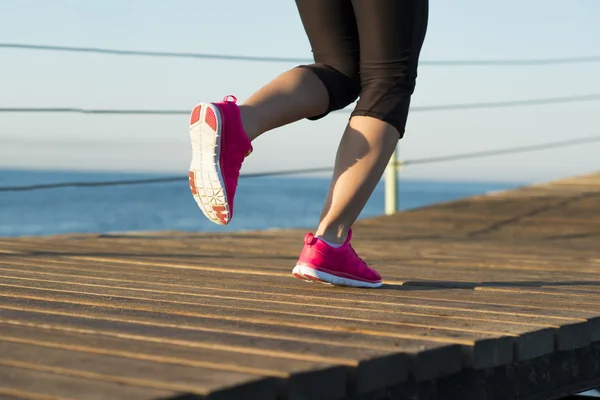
335, 236
329, 243
249, 121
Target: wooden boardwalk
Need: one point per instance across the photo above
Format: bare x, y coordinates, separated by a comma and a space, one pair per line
493, 297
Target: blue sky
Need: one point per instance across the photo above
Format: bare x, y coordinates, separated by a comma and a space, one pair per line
463, 29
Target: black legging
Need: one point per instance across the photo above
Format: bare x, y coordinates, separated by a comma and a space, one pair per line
367, 49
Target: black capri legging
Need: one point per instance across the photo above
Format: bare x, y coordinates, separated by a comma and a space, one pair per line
367, 49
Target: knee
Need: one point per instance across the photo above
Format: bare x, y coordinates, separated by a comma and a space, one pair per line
341, 81
385, 95
395, 79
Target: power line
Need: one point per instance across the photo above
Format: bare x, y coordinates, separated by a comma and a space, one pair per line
168, 179
510, 150
77, 110
507, 104
454, 157
89, 184
162, 54
231, 57
440, 107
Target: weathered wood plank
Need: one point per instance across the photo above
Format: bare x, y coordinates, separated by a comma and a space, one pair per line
445, 272
5, 394
451, 258
481, 349
52, 385
368, 302
428, 359
465, 277
235, 289
531, 340
577, 334
136, 373
296, 378
549, 377
371, 368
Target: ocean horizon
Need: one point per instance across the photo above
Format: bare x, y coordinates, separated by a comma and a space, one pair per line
261, 203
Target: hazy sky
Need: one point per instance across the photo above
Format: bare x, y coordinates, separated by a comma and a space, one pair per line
460, 29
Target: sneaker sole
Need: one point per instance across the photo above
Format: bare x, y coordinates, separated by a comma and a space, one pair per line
205, 177
297, 273
307, 273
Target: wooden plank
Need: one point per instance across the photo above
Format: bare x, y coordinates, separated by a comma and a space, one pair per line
267, 268
452, 258
296, 378
425, 259
435, 276
576, 289
137, 373
572, 293
288, 294
372, 305
150, 275
211, 278
366, 302
371, 368
14, 394
387, 361
480, 349
6, 396
309, 334
467, 215
167, 249
37, 384
391, 270
432, 283
548, 377
575, 334
469, 275
466, 277
255, 247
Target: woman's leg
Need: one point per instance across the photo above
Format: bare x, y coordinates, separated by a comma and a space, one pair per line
311, 91
221, 133
293, 95
362, 156
391, 35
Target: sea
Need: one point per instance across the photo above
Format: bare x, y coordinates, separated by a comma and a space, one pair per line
261, 203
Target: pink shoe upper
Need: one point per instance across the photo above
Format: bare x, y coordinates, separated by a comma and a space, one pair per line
235, 146
339, 261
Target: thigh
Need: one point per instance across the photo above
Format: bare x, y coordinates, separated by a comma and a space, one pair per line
391, 32
331, 29
391, 36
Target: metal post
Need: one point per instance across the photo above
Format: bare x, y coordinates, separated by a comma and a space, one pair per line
391, 185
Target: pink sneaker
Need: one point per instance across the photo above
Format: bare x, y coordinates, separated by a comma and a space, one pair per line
219, 146
335, 265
